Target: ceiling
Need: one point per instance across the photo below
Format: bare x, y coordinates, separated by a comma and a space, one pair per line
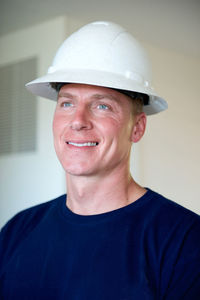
173, 24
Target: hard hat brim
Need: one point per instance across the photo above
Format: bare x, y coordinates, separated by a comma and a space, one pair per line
42, 86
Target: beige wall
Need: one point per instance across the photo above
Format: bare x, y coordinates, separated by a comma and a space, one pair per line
169, 155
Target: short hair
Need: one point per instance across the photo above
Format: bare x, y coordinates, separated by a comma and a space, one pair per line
139, 99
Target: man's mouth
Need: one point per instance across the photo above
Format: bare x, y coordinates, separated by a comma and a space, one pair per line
85, 144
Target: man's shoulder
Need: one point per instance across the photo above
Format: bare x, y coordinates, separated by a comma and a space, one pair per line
160, 209
28, 218
25, 224
164, 203
173, 235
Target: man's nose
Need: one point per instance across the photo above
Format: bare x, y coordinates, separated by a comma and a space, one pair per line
81, 119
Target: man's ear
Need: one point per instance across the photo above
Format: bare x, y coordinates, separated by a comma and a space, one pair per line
138, 127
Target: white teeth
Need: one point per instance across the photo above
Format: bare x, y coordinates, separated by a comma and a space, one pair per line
82, 144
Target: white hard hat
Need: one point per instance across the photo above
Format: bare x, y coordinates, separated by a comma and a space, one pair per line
101, 54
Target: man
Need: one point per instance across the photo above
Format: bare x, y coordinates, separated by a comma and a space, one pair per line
109, 238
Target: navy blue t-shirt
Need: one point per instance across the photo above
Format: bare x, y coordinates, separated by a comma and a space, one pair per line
149, 249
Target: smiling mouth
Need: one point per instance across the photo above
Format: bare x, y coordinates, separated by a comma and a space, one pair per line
87, 144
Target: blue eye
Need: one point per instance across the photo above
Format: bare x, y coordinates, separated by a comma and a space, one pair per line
103, 106
66, 104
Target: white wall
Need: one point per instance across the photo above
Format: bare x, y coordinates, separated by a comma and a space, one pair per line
166, 160
30, 178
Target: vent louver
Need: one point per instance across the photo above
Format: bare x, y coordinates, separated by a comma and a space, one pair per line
18, 108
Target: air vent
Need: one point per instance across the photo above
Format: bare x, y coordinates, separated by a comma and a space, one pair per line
18, 108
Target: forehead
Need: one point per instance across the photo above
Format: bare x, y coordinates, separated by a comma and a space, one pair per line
76, 87
92, 91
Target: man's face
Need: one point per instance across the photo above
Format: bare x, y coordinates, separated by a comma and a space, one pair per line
92, 129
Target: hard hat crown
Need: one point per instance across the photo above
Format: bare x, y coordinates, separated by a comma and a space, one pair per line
102, 54
105, 47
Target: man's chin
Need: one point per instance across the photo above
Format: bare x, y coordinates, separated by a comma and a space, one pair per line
79, 171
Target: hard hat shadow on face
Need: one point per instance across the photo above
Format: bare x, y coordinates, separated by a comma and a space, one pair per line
101, 54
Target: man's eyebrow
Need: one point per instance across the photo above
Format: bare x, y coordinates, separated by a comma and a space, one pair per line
103, 96
65, 94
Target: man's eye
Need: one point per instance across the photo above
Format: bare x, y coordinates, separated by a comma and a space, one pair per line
66, 104
103, 106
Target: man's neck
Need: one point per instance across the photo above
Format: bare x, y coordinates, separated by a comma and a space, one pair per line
89, 195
